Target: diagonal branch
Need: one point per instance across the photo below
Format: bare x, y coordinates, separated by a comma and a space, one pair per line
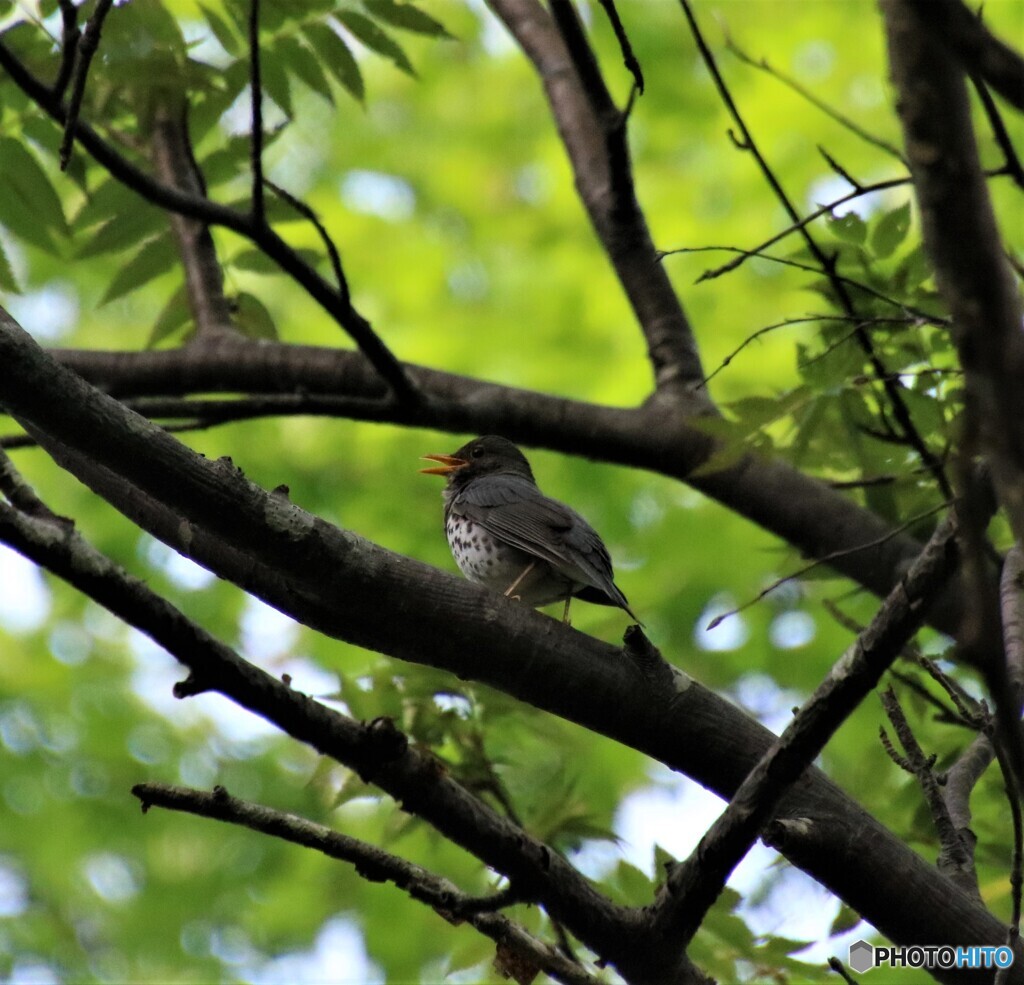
375, 865
981, 52
377, 750
593, 132
170, 147
694, 885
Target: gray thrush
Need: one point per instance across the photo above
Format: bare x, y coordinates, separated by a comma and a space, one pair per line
506, 534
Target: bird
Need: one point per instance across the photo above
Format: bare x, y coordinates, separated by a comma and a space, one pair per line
506, 534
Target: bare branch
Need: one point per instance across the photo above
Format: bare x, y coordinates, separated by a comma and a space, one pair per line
332, 251
70, 36
259, 215
984, 54
815, 100
593, 133
84, 50
628, 58
694, 885
375, 865
956, 860
171, 150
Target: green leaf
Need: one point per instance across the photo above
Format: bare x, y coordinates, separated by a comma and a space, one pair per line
156, 257
276, 84
123, 232
175, 315
663, 861
634, 887
340, 61
298, 59
252, 318
407, 17
914, 269
850, 228
29, 206
375, 39
846, 919
890, 231
228, 38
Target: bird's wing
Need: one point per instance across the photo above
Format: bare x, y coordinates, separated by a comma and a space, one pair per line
516, 511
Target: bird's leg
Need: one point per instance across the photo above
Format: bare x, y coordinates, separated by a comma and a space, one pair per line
511, 588
565, 611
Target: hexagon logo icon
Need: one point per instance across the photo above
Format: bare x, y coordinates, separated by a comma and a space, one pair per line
862, 956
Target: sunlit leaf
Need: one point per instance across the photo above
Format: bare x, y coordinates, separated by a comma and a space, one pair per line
406, 16
890, 231
156, 257
337, 57
375, 39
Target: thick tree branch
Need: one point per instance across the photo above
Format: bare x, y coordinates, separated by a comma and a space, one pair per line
980, 51
340, 584
816, 520
594, 135
963, 242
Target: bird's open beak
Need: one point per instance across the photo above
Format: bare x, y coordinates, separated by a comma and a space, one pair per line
449, 463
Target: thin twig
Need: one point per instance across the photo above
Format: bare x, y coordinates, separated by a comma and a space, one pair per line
70, 36
1012, 164
628, 58
826, 559
798, 265
806, 94
332, 251
956, 860
827, 264
787, 322
84, 51
945, 713
259, 215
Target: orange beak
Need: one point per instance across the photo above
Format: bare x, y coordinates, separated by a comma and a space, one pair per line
449, 463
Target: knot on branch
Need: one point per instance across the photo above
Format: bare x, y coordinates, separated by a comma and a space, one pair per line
383, 741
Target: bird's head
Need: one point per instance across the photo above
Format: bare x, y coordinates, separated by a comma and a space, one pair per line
489, 455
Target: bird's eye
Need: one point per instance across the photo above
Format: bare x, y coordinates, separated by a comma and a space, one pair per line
476, 452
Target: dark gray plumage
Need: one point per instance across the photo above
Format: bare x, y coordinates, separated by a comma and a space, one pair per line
506, 534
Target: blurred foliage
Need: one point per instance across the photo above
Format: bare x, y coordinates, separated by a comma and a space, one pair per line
420, 137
